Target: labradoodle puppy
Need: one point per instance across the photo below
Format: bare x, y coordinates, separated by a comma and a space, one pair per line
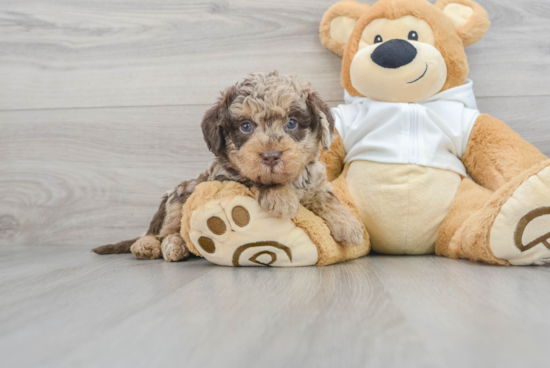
267, 133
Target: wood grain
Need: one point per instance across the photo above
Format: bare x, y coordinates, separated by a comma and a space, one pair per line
74, 308
58, 54
92, 176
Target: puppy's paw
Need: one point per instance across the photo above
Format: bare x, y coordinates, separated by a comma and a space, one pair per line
346, 229
353, 234
174, 248
147, 247
280, 202
286, 209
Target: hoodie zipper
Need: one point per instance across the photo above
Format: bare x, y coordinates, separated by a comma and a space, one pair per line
413, 134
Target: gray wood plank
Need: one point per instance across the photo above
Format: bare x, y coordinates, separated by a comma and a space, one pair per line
482, 315
56, 54
70, 298
63, 170
379, 311
90, 176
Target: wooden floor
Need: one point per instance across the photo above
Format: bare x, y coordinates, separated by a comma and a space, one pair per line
100, 104
65, 307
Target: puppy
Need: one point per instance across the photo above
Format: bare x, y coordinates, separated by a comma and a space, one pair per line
267, 133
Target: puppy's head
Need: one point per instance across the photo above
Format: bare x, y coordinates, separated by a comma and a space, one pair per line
269, 127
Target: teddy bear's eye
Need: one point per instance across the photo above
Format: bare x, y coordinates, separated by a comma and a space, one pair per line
413, 36
378, 39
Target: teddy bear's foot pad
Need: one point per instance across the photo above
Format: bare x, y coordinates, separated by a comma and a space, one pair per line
521, 231
238, 232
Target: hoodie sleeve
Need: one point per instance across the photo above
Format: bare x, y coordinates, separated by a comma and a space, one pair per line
469, 118
337, 114
344, 115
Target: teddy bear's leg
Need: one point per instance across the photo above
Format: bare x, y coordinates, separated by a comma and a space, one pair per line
495, 154
469, 199
224, 223
509, 226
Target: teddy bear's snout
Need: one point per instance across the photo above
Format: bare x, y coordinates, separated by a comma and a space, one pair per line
394, 54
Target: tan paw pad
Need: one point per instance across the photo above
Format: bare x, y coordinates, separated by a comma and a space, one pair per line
521, 231
238, 232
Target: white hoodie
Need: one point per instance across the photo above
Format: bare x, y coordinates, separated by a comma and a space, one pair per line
431, 133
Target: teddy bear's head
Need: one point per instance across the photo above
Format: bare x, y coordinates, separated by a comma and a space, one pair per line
403, 50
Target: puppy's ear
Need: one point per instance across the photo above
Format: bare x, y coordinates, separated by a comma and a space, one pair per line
322, 116
214, 120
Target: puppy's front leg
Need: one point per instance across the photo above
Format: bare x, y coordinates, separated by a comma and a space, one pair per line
344, 227
163, 237
174, 248
280, 200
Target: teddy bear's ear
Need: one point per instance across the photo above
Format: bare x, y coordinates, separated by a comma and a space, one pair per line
469, 18
338, 22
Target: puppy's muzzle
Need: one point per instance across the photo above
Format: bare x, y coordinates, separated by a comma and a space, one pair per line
271, 159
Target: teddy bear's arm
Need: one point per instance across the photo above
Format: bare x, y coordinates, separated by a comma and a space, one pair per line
334, 158
495, 153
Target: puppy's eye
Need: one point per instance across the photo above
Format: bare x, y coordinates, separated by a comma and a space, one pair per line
292, 124
413, 36
378, 39
246, 127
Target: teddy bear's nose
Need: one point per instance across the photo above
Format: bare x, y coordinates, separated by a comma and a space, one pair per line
393, 54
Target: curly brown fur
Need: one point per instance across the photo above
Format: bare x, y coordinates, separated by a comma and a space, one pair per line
267, 133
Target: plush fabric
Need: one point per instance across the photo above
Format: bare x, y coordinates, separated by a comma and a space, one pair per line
473, 239
470, 197
447, 40
495, 153
401, 205
475, 27
348, 12
331, 252
459, 14
502, 214
431, 133
224, 223
201, 196
520, 231
235, 231
403, 175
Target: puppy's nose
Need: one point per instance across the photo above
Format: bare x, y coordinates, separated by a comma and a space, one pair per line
271, 158
393, 54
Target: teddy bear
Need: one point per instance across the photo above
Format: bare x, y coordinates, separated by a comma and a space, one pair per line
413, 158
251, 236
